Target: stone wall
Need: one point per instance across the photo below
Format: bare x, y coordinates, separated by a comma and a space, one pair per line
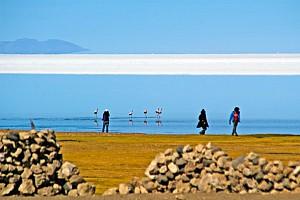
31, 164
207, 168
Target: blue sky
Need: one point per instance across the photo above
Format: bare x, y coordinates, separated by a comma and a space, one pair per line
168, 26
259, 97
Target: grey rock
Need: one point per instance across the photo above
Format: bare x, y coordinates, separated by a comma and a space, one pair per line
13, 136
162, 179
179, 150
215, 149
169, 175
207, 162
236, 162
67, 187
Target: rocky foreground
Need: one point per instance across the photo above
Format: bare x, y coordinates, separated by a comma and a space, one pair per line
31, 164
207, 168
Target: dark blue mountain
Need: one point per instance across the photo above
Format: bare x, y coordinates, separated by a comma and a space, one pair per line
32, 46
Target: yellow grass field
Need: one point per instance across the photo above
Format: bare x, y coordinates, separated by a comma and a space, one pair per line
110, 159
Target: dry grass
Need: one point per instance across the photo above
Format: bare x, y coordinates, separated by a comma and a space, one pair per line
107, 160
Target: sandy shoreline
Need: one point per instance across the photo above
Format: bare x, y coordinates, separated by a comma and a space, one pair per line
161, 134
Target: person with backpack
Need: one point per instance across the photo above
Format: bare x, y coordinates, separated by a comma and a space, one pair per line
105, 119
202, 122
235, 119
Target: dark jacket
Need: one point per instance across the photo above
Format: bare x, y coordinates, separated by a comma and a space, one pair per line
202, 120
105, 116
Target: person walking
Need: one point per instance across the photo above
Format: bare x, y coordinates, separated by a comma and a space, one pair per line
105, 119
235, 119
202, 122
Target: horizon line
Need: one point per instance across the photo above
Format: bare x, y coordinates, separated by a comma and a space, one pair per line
152, 64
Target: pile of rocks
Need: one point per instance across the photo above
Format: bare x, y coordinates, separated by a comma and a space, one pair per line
206, 168
31, 164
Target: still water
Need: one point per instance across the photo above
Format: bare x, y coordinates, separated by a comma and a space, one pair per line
153, 125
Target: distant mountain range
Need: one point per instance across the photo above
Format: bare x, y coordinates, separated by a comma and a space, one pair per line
32, 46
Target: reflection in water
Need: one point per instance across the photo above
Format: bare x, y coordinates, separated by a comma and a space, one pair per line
96, 122
145, 122
130, 122
158, 122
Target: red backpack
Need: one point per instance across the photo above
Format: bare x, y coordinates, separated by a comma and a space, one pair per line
235, 117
